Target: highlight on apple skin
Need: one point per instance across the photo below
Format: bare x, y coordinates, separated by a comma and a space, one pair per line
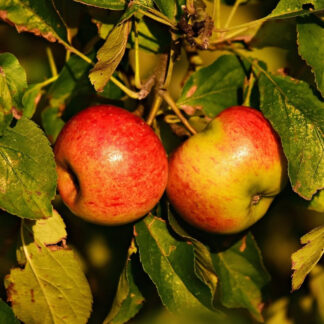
112, 168
224, 179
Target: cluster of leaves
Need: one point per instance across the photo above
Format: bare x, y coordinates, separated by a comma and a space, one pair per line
197, 276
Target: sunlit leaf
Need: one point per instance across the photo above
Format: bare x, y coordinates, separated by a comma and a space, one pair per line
30, 99
292, 8
170, 265
50, 231
167, 7
37, 17
242, 276
109, 55
106, 4
12, 84
297, 114
27, 171
128, 299
215, 87
203, 261
51, 287
311, 46
305, 259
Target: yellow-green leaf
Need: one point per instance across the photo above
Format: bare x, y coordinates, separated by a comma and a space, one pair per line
110, 55
305, 259
50, 288
37, 17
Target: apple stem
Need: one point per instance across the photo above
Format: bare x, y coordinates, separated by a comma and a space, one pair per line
163, 75
137, 63
78, 53
216, 13
232, 13
166, 96
48, 81
169, 70
251, 82
129, 92
51, 61
154, 110
157, 16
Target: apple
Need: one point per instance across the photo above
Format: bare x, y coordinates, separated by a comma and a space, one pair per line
224, 179
112, 168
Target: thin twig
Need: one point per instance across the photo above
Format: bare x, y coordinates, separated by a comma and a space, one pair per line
51, 61
155, 108
166, 96
246, 101
137, 63
232, 13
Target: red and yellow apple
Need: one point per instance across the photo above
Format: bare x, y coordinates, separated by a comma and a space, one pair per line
224, 179
112, 168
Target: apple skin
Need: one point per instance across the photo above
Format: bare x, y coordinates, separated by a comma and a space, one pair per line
224, 179
112, 168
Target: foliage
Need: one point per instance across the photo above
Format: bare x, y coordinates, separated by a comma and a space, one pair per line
178, 64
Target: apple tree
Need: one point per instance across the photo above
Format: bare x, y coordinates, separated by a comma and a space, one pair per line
177, 65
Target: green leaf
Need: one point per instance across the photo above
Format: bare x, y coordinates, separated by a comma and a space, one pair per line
311, 47
242, 276
73, 78
72, 82
27, 171
170, 265
111, 91
6, 314
169, 139
292, 8
105, 22
12, 84
38, 17
30, 99
281, 33
298, 116
50, 231
128, 300
152, 36
110, 55
71, 15
51, 287
305, 259
214, 87
317, 202
204, 267
52, 122
106, 4
167, 7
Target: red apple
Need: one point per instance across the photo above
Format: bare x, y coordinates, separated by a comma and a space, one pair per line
112, 168
224, 179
